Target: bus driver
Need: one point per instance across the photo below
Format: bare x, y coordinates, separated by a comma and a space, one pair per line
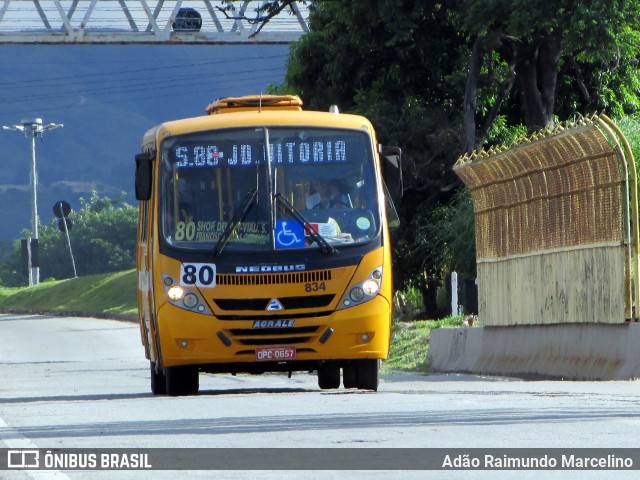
326, 195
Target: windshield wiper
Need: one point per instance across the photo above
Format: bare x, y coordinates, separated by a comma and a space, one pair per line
238, 217
325, 246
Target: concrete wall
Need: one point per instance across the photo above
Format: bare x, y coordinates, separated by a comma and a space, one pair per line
583, 285
572, 352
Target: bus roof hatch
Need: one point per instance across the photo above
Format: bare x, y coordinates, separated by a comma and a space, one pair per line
254, 102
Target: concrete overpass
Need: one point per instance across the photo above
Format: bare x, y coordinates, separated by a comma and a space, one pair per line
148, 22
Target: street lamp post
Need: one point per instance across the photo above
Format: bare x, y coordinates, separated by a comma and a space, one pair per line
33, 128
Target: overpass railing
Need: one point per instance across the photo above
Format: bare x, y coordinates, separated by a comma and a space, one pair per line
142, 21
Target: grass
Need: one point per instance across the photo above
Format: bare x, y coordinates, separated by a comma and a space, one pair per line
109, 293
410, 341
114, 294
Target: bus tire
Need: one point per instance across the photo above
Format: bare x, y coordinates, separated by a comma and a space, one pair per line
350, 376
158, 381
329, 377
368, 374
182, 380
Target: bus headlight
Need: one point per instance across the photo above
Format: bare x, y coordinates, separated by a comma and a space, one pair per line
370, 287
190, 300
184, 297
175, 293
356, 294
363, 291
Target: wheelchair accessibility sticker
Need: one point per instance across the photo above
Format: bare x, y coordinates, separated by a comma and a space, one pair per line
289, 234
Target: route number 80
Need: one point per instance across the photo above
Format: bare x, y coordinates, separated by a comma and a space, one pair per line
198, 275
185, 231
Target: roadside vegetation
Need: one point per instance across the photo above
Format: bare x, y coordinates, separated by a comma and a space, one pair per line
93, 295
410, 342
102, 237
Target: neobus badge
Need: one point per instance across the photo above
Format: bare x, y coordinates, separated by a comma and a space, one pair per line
270, 268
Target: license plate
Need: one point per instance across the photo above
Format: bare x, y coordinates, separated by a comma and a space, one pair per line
275, 354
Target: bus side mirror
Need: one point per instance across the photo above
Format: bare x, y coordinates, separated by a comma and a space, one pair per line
144, 164
392, 171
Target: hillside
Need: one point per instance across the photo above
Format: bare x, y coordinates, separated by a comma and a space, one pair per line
106, 97
109, 295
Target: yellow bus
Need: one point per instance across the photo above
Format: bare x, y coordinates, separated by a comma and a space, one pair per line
263, 244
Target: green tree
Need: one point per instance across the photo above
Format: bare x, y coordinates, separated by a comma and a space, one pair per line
103, 240
539, 59
401, 64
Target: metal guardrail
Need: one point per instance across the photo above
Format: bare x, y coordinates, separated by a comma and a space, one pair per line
147, 22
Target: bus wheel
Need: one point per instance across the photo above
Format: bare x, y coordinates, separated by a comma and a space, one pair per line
158, 381
350, 376
367, 373
183, 380
328, 377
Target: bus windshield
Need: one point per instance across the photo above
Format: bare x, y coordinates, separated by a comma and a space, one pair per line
254, 189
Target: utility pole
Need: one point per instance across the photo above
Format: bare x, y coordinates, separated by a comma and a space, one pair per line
33, 128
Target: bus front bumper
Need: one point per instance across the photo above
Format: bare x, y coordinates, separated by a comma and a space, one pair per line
359, 332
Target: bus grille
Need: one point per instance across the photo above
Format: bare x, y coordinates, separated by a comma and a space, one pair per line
288, 303
273, 278
273, 336
282, 316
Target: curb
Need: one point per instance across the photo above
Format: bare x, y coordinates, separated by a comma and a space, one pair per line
124, 317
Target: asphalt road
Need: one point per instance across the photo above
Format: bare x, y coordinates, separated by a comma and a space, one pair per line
84, 383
